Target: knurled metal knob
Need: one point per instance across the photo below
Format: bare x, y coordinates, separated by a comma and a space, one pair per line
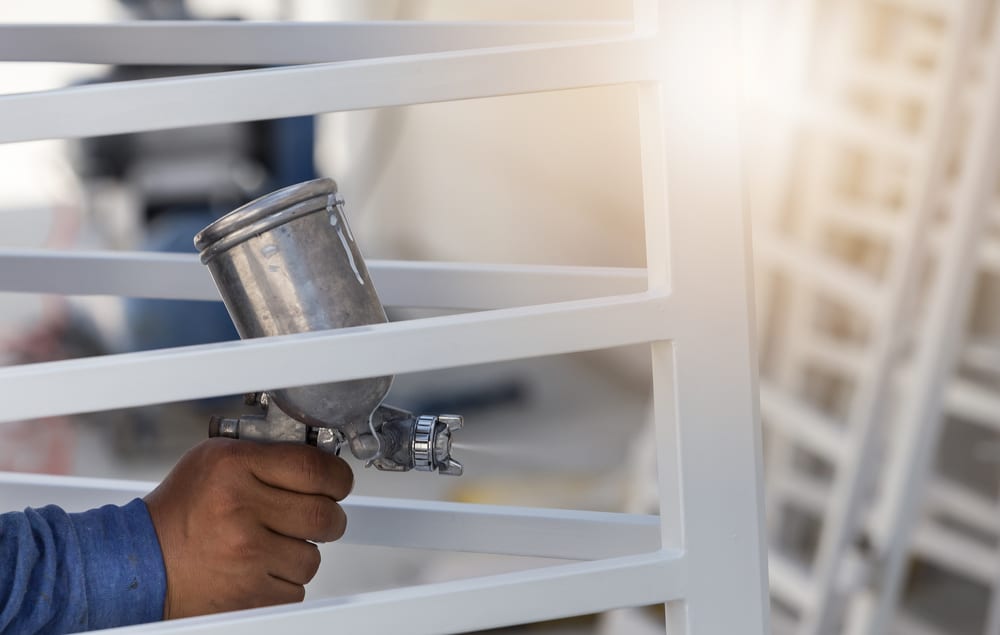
431, 444
423, 443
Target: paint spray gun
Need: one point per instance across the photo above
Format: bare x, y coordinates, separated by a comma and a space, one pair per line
288, 263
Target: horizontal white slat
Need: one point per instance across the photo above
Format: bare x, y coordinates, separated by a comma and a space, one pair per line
951, 551
463, 605
900, 81
790, 582
837, 124
784, 414
400, 283
989, 251
548, 533
966, 399
522, 531
905, 623
802, 490
982, 354
194, 372
853, 129
73, 493
818, 271
961, 503
991, 256
848, 359
867, 219
159, 104
269, 43
940, 8
488, 286
126, 274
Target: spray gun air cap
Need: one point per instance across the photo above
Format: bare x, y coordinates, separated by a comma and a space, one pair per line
442, 445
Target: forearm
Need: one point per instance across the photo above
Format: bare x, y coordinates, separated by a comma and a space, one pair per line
66, 573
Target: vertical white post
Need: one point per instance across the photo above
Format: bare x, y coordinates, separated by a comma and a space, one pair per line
705, 393
789, 63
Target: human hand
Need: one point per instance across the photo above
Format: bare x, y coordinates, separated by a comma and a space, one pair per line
234, 519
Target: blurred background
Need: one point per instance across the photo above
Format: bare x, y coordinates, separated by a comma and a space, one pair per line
871, 183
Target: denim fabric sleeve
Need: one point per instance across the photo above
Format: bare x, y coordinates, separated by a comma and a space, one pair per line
65, 573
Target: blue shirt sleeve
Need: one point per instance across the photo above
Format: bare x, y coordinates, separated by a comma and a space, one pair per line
65, 573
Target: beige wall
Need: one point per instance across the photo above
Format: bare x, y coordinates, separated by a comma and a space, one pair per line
547, 178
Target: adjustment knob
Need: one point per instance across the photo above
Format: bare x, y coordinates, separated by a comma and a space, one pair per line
431, 444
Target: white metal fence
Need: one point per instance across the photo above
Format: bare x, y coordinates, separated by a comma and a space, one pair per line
704, 556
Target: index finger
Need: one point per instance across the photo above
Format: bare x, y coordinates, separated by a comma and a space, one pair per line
300, 468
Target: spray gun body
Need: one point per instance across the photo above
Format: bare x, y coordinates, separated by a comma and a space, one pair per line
288, 263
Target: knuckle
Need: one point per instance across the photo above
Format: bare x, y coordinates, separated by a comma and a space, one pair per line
225, 500
321, 514
242, 543
225, 460
309, 464
227, 452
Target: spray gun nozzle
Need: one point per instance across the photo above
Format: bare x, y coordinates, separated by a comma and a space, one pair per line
404, 441
419, 443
